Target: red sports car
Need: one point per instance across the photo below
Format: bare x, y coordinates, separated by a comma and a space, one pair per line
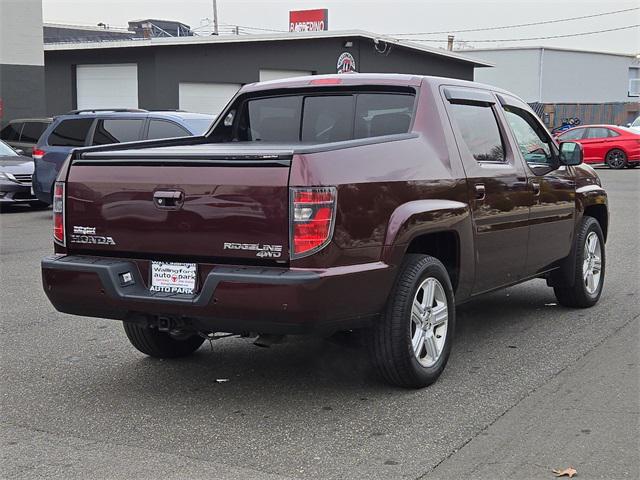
618, 147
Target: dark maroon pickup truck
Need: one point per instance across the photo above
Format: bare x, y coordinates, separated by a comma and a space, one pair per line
325, 204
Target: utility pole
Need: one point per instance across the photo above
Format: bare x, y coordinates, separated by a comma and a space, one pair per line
215, 17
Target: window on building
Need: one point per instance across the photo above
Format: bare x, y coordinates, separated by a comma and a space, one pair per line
117, 130
634, 81
165, 129
479, 130
70, 133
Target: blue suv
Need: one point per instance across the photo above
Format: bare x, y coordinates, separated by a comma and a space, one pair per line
80, 128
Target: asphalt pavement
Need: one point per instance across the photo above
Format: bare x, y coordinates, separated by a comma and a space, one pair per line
530, 386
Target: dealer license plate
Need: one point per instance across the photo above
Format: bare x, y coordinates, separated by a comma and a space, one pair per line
173, 277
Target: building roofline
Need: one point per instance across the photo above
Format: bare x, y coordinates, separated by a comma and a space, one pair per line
560, 49
91, 28
269, 37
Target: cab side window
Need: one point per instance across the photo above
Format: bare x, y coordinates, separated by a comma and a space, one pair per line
479, 130
534, 144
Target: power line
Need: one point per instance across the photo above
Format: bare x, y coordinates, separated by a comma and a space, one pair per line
531, 38
468, 30
257, 28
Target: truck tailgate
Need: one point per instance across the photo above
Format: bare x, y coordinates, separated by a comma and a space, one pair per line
207, 202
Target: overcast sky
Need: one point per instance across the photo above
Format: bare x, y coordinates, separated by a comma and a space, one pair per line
389, 17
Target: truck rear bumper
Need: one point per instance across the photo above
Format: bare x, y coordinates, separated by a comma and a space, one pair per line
233, 299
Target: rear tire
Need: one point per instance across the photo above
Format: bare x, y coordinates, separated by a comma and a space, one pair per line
616, 159
155, 343
410, 345
589, 257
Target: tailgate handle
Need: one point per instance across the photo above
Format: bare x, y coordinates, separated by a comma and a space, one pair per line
168, 198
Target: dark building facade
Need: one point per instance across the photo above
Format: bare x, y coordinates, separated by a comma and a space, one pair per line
169, 74
22, 81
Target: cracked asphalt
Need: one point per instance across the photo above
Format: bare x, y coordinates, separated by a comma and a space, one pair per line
530, 386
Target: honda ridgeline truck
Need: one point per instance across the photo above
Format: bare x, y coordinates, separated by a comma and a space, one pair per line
324, 204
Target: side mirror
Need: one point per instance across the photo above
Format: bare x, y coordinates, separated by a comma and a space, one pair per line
570, 153
19, 151
629, 124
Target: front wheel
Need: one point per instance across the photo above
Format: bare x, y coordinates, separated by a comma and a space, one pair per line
410, 345
616, 159
589, 267
155, 343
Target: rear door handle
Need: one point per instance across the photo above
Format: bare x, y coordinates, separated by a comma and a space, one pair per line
480, 191
536, 188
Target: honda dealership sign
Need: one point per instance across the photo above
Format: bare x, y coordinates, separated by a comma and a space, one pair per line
309, 20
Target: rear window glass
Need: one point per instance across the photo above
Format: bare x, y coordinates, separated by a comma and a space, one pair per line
164, 129
117, 130
328, 119
274, 119
198, 126
321, 118
11, 132
32, 131
70, 133
382, 114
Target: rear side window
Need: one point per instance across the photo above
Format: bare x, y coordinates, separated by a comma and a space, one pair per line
11, 132
164, 129
572, 134
70, 133
32, 131
479, 130
117, 130
321, 118
597, 132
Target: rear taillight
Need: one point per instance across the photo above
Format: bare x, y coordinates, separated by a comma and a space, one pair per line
313, 214
58, 213
37, 153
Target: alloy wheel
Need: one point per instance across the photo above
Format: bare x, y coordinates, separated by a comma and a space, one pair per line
429, 319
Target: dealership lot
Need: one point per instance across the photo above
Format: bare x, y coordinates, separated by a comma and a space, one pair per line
530, 386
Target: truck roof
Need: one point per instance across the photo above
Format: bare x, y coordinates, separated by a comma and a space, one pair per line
356, 79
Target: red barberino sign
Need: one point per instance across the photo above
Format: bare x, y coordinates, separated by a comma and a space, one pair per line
309, 20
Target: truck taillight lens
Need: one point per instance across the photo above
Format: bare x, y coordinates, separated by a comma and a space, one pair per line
58, 213
37, 153
313, 214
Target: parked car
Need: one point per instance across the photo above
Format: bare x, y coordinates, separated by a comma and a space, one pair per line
101, 127
618, 147
635, 125
23, 133
15, 177
325, 204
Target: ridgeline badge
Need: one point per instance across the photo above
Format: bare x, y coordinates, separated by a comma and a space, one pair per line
346, 63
